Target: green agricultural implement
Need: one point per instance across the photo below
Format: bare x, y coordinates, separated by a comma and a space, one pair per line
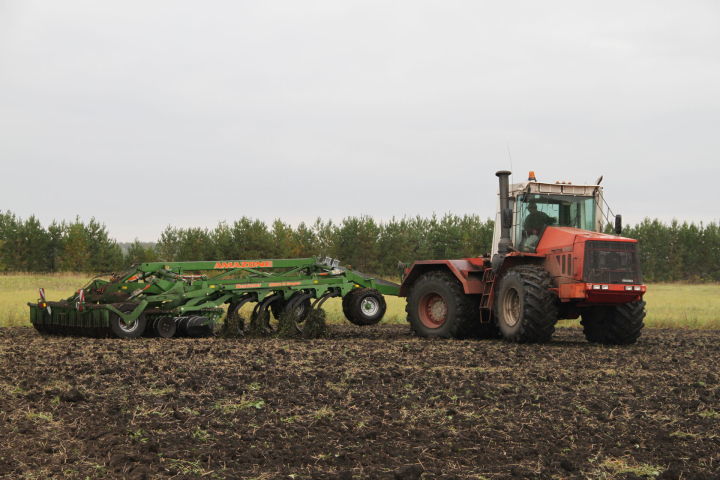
186, 298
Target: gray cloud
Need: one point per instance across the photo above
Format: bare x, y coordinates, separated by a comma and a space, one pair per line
145, 114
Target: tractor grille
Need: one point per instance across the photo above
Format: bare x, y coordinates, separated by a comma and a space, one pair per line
611, 262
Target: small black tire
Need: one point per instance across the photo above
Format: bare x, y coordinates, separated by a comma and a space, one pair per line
364, 306
437, 306
614, 325
525, 307
134, 330
165, 327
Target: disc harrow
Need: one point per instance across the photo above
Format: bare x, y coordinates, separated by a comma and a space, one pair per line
168, 299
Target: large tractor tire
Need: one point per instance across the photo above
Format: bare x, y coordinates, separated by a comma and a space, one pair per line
614, 325
525, 307
437, 306
364, 306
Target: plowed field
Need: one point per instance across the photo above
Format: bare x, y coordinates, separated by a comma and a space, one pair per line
369, 402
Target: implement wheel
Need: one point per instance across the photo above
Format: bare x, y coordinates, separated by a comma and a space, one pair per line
364, 306
121, 330
614, 325
437, 306
526, 308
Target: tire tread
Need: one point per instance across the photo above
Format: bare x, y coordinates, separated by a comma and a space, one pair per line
467, 310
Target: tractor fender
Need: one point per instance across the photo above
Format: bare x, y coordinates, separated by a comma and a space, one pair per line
467, 272
515, 259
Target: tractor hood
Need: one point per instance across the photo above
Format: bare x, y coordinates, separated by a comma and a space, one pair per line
575, 255
556, 239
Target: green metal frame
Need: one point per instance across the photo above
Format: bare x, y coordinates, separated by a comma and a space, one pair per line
181, 288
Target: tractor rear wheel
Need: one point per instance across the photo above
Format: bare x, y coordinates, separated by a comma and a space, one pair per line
525, 307
437, 306
614, 325
364, 306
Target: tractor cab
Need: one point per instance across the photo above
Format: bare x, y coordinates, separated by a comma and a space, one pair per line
537, 211
538, 205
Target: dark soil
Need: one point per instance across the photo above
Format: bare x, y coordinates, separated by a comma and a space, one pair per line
370, 402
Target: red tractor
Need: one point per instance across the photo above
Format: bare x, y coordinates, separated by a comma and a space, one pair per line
550, 261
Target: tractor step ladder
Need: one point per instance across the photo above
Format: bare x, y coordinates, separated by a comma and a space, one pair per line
487, 293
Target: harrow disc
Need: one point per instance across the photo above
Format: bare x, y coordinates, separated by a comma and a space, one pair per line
165, 327
195, 326
234, 324
296, 310
260, 319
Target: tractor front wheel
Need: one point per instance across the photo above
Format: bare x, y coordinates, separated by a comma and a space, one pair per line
525, 307
614, 325
437, 306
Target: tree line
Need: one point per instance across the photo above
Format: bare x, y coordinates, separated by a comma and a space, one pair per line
668, 252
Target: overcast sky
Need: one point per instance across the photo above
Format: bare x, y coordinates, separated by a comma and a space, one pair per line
148, 114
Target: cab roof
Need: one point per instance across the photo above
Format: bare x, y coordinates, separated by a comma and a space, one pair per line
554, 189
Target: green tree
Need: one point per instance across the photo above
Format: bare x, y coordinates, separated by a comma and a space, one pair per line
355, 242
105, 254
195, 244
139, 253
252, 239
75, 252
168, 246
223, 242
283, 241
305, 243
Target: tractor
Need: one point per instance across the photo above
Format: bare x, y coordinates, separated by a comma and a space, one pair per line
551, 260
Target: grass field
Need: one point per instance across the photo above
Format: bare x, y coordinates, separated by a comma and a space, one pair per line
669, 305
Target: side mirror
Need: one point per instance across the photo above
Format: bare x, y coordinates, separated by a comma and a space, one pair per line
618, 224
506, 218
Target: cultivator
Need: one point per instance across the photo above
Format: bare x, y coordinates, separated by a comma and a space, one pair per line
169, 299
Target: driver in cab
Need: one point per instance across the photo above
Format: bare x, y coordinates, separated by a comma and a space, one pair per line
534, 224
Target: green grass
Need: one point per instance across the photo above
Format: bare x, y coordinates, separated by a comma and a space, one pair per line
675, 305
16, 290
669, 305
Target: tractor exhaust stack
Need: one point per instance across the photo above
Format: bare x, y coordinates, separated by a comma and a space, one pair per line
505, 212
